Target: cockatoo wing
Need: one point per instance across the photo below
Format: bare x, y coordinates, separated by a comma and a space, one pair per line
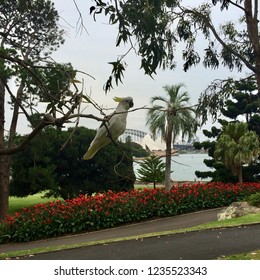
116, 127
112, 128
98, 142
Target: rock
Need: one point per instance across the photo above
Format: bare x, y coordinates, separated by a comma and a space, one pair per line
237, 209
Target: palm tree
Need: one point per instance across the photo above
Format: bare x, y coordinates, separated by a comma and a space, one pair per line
172, 117
237, 146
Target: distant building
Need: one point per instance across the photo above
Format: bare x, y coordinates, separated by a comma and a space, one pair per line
146, 141
156, 145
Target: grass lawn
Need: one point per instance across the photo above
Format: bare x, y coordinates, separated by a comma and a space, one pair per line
17, 203
255, 255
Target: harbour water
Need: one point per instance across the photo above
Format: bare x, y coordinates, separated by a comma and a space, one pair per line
184, 167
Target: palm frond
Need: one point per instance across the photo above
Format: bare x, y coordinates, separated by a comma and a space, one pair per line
237, 146
177, 108
159, 98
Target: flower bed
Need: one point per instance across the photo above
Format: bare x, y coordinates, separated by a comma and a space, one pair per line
109, 209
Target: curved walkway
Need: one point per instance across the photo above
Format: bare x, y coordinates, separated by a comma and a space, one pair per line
204, 245
207, 244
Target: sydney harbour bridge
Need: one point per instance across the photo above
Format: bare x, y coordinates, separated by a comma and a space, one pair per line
134, 135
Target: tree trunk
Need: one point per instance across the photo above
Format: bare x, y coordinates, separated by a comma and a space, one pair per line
168, 155
240, 175
4, 186
4, 160
253, 33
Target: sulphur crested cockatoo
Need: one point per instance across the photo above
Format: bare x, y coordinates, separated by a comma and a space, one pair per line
112, 127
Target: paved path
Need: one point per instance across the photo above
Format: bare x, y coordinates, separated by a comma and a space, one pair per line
156, 225
208, 244
204, 245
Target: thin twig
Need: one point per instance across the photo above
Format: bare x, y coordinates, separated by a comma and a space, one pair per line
77, 120
80, 20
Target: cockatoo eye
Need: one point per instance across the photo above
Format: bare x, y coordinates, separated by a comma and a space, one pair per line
131, 103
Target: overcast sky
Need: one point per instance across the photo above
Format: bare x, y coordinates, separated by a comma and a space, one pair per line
91, 50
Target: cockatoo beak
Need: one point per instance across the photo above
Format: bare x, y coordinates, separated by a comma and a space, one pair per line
118, 99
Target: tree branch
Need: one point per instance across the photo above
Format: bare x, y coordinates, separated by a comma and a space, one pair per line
80, 19
13, 150
27, 66
208, 23
17, 102
238, 6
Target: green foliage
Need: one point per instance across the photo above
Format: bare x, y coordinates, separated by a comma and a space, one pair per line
149, 22
224, 3
32, 170
237, 146
254, 199
29, 34
57, 78
157, 27
117, 74
137, 150
175, 109
229, 97
45, 166
242, 102
170, 117
152, 169
30, 28
254, 123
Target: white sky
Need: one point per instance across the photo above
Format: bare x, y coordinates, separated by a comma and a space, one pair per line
92, 50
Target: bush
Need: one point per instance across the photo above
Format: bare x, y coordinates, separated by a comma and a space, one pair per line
109, 209
138, 150
254, 199
43, 165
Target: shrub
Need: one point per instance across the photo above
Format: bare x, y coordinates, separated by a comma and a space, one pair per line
254, 199
109, 209
44, 166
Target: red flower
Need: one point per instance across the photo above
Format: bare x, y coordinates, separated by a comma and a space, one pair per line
110, 208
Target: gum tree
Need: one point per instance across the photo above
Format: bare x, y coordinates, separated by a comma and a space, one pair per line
33, 88
154, 28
